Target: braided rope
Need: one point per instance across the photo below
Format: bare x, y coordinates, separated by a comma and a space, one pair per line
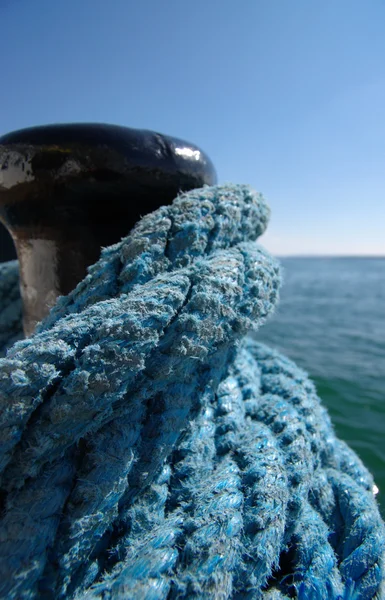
10, 303
149, 450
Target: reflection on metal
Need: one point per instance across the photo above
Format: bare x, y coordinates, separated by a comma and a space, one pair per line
188, 153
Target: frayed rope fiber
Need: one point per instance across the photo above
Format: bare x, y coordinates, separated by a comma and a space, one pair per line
150, 450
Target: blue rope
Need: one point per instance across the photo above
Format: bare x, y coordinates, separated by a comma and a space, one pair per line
149, 450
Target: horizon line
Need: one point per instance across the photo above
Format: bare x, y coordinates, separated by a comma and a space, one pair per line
330, 255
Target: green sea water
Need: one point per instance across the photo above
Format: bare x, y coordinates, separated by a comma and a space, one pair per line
331, 322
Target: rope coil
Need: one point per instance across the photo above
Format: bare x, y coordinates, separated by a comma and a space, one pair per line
148, 449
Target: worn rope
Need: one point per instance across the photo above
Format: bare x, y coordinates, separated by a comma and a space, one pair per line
149, 450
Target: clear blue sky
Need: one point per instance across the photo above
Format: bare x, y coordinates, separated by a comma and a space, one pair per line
287, 95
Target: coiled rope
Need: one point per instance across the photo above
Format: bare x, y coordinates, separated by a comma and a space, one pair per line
149, 450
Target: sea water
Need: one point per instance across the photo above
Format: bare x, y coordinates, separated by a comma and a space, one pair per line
331, 322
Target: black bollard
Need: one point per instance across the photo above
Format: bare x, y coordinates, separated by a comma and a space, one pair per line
66, 191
